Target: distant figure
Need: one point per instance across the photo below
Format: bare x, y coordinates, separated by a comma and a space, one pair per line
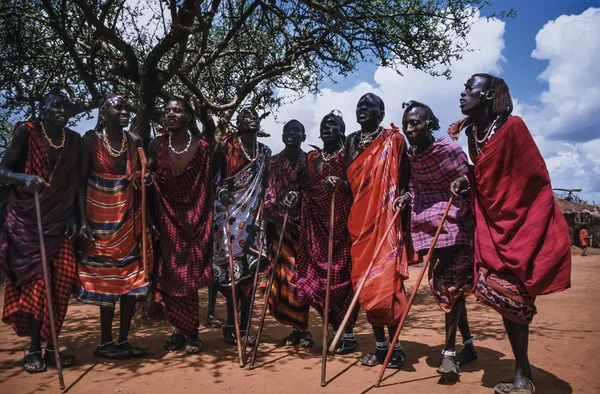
583, 240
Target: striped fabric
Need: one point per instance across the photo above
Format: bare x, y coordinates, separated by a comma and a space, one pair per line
112, 266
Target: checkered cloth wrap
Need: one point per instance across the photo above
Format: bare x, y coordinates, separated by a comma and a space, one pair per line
20, 257
283, 302
246, 187
183, 312
26, 297
184, 212
311, 276
374, 180
112, 266
22, 302
432, 172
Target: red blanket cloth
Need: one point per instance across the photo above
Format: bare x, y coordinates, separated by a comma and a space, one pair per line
519, 225
184, 209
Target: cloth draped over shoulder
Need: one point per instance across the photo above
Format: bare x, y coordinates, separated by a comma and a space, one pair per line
184, 209
373, 178
245, 184
112, 266
431, 173
519, 226
311, 275
20, 256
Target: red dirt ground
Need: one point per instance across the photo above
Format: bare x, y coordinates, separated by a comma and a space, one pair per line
564, 353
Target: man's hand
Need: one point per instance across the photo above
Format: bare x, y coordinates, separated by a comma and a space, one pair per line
459, 186
291, 200
71, 231
334, 183
402, 202
85, 235
34, 183
225, 197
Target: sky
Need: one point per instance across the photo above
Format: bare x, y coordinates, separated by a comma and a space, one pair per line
549, 55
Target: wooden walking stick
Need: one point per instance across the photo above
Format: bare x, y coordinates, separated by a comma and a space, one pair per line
233, 291
327, 294
254, 284
144, 164
268, 292
338, 335
38, 212
414, 292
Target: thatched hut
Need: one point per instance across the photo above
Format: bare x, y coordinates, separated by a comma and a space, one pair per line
578, 214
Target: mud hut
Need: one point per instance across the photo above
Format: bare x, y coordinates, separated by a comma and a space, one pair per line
581, 213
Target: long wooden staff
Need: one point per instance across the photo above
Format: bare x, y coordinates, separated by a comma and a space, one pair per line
61, 381
338, 335
254, 284
268, 292
144, 164
327, 294
414, 293
233, 291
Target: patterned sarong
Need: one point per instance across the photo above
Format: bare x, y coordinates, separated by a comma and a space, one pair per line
25, 291
311, 276
283, 301
373, 178
112, 266
451, 275
183, 312
184, 212
246, 188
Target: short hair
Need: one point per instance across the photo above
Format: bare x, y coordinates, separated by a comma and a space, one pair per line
431, 120
50, 93
188, 109
296, 121
339, 120
243, 112
377, 99
502, 104
108, 99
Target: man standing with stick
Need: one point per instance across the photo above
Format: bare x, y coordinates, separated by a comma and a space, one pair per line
180, 162
42, 157
377, 172
311, 276
513, 201
287, 176
239, 167
434, 164
110, 259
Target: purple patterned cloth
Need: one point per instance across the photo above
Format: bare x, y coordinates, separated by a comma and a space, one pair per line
432, 172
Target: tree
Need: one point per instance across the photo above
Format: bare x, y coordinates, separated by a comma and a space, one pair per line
219, 53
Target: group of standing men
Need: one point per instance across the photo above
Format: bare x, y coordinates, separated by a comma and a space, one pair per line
490, 243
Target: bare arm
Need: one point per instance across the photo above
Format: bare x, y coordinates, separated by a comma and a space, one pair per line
86, 152
12, 166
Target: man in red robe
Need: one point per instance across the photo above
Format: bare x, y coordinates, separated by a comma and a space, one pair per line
180, 165
43, 158
522, 246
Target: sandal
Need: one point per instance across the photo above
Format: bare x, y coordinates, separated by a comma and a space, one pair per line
213, 322
34, 363
373, 359
293, 339
346, 346
175, 342
306, 340
465, 356
398, 359
508, 387
66, 360
448, 367
134, 350
111, 351
193, 346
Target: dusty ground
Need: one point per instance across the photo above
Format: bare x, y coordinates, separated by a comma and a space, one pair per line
564, 352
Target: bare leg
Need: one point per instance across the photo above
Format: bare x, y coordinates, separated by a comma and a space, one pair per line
36, 329
518, 335
211, 319
107, 314
127, 308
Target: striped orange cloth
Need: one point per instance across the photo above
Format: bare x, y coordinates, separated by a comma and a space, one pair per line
374, 180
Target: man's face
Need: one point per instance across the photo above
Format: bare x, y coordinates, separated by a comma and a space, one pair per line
293, 134
330, 131
175, 116
116, 112
415, 127
57, 110
249, 121
472, 99
368, 111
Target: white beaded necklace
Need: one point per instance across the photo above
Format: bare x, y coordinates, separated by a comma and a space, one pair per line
181, 152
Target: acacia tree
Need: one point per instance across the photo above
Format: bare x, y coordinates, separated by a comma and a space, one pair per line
219, 53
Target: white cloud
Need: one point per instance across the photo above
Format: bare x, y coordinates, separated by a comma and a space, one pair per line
565, 121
